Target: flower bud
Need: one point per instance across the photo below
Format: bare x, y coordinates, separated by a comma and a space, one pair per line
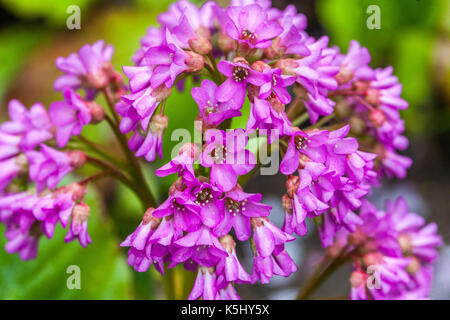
345, 75
275, 50
358, 278
372, 258
357, 238
177, 186
194, 61
413, 266
201, 44
372, 96
158, 123
228, 243
288, 66
149, 218
260, 66
98, 78
80, 214
287, 203
292, 184
191, 150
377, 117
77, 158
161, 93
77, 190
97, 111
405, 243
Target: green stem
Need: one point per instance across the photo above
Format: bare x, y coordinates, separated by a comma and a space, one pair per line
137, 173
323, 271
301, 119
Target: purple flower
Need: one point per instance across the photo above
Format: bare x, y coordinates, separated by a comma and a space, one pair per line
151, 145
211, 111
182, 164
152, 38
69, 116
89, 68
202, 246
168, 60
239, 207
276, 83
181, 205
354, 65
230, 269
279, 263
239, 74
25, 130
48, 166
205, 285
10, 169
227, 157
268, 118
249, 25
78, 228
393, 164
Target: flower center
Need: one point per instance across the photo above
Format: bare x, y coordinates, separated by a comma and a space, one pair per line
204, 196
210, 108
219, 154
176, 206
301, 142
239, 73
248, 35
235, 207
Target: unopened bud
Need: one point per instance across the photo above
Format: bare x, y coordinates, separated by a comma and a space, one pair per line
357, 238
405, 243
287, 203
191, 150
241, 60
260, 66
292, 184
372, 258
372, 96
98, 78
275, 50
228, 243
77, 190
194, 61
161, 93
97, 111
77, 158
358, 279
201, 44
377, 117
177, 186
159, 123
345, 75
80, 214
413, 266
288, 66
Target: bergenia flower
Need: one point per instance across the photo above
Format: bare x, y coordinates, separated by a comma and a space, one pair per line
69, 116
239, 74
211, 111
249, 25
48, 166
226, 154
89, 68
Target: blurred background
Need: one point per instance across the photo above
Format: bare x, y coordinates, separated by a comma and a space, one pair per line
414, 38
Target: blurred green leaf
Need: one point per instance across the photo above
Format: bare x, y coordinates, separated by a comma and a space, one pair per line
54, 12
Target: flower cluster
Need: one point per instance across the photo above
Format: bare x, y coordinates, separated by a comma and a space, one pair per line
334, 120
395, 248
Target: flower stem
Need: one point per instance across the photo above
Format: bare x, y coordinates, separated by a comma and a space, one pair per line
147, 198
325, 269
301, 119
